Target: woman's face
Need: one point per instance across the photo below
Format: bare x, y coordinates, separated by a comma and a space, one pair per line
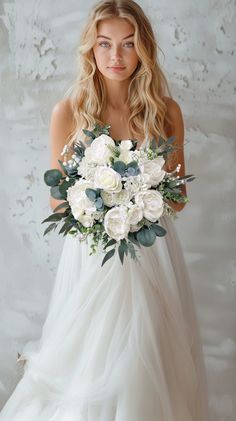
115, 47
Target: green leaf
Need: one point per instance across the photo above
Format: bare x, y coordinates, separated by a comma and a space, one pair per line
50, 228
119, 166
61, 206
110, 243
121, 251
153, 144
99, 204
132, 164
52, 177
64, 187
91, 194
159, 230
124, 245
56, 194
133, 239
54, 217
132, 250
146, 237
89, 133
170, 140
62, 166
161, 141
108, 255
65, 226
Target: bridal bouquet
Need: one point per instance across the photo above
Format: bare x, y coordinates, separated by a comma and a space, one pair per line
114, 193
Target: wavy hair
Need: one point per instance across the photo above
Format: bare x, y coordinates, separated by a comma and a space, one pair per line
148, 84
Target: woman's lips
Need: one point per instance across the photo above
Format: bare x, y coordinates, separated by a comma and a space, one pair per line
117, 68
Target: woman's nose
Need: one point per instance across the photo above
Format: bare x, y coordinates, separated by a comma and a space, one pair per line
116, 52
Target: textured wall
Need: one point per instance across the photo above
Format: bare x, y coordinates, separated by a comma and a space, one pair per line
37, 41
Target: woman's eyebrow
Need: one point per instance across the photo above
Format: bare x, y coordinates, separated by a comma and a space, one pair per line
103, 36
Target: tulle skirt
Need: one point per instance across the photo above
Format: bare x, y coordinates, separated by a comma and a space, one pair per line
119, 343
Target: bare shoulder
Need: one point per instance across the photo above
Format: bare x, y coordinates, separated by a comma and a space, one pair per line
173, 109
62, 125
175, 123
62, 112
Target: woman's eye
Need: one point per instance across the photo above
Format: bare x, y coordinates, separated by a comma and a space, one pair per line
104, 42
132, 44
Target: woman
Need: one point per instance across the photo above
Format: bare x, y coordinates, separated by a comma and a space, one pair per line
120, 343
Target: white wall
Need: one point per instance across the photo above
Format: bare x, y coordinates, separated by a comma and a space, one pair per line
37, 42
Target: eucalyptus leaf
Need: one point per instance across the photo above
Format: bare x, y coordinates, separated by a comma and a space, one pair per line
121, 251
99, 204
146, 237
64, 186
159, 230
52, 177
133, 239
119, 166
170, 140
108, 255
110, 243
56, 194
91, 194
54, 217
61, 206
50, 228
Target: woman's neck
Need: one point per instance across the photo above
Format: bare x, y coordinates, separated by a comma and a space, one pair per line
117, 93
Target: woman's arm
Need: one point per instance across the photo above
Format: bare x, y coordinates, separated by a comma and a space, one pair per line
61, 126
176, 128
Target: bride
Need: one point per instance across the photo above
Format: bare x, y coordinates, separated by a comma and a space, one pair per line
120, 342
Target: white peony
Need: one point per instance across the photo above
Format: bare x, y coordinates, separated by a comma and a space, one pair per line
122, 198
137, 183
86, 169
153, 168
99, 152
151, 202
79, 202
108, 179
116, 223
135, 214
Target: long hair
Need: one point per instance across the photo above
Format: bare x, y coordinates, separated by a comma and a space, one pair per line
148, 84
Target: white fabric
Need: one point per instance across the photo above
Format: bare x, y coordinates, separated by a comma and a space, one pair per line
120, 343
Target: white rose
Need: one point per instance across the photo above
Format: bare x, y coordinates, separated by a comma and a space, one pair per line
151, 202
86, 220
108, 198
99, 152
108, 179
126, 155
78, 200
126, 145
116, 223
135, 214
153, 168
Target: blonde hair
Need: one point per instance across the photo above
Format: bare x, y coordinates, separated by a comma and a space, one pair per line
148, 84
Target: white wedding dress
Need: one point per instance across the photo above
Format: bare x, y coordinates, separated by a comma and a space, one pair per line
120, 343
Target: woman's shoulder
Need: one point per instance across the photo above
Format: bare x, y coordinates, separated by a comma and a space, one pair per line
62, 120
172, 106
174, 117
63, 110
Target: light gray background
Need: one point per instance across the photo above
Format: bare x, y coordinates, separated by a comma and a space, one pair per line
38, 40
